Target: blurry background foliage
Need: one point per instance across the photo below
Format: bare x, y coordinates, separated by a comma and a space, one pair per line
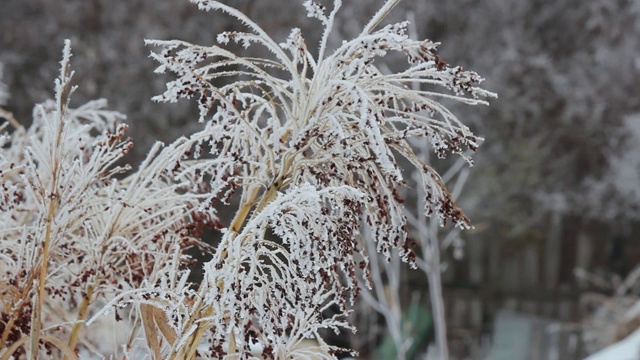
556, 184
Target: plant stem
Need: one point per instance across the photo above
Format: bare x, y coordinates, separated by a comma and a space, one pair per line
36, 321
197, 336
437, 306
82, 314
381, 14
54, 198
269, 195
15, 346
9, 116
244, 209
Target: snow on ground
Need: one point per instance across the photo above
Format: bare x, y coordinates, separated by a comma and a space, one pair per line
626, 349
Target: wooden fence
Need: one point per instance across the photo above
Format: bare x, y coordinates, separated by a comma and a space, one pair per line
533, 278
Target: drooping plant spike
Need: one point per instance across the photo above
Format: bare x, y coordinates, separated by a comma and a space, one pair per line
311, 142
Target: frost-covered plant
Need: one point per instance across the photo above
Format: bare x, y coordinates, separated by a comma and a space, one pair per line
389, 279
74, 233
310, 143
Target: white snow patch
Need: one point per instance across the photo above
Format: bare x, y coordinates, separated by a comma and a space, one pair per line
626, 349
